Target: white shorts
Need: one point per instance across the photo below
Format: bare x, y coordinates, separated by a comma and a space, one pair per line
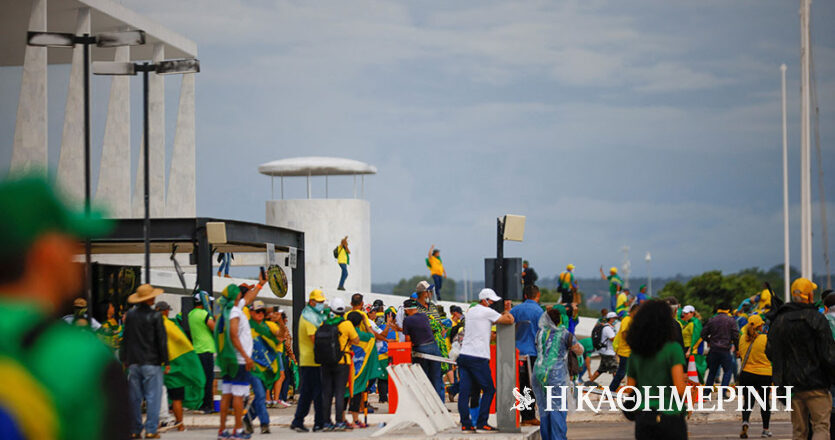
235, 390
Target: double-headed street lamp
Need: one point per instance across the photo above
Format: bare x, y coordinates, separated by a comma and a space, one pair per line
102, 39
167, 67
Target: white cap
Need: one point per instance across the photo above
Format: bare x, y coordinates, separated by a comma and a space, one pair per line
688, 309
422, 286
488, 294
611, 315
338, 305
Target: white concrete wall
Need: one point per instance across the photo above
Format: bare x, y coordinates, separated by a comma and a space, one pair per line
324, 223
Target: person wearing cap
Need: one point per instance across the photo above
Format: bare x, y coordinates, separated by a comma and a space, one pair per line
608, 358
642, 294
266, 371
721, 333
567, 286
529, 275
335, 377
622, 348
79, 311
436, 269
59, 381
529, 311
691, 333
418, 331
145, 349
802, 354
233, 336
310, 375
756, 372
474, 360
202, 326
615, 284
427, 307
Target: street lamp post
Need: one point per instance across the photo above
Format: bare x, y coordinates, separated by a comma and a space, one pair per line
102, 39
167, 67
648, 259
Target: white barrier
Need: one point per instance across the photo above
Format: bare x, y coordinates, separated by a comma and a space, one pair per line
417, 402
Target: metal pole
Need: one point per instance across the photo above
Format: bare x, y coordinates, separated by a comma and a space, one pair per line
88, 271
282, 187
786, 261
147, 160
649, 277
326, 186
805, 145
308, 185
272, 187
498, 271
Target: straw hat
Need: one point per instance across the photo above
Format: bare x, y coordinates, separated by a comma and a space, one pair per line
144, 293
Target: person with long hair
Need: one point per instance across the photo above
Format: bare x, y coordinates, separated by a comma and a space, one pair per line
657, 360
553, 342
756, 372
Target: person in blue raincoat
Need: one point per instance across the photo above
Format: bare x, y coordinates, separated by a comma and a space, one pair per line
553, 342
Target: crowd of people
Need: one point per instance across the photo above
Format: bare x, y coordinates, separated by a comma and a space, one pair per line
79, 377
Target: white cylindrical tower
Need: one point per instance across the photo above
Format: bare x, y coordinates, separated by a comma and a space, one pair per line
325, 222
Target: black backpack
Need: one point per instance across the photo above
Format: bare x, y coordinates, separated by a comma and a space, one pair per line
336, 252
326, 349
597, 336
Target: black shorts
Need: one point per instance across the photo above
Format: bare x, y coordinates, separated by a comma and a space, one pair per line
177, 393
608, 364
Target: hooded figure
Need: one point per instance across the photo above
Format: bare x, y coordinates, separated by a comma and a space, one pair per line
553, 341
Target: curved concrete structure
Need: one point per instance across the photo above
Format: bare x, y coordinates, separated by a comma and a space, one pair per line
316, 166
324, 223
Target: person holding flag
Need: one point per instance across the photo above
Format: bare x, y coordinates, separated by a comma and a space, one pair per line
265, 355
691, 334
365, 367
185, 379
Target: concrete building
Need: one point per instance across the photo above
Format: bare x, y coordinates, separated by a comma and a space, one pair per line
326, 221
29, 144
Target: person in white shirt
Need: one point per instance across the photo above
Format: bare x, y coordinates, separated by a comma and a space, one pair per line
608, 359
474, 360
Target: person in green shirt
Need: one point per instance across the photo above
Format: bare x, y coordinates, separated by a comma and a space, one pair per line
202, 328
615, 284
58, 381
585, 358
657, 360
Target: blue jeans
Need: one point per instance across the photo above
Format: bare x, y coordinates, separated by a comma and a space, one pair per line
259, 402
310, 390
225, 262
344, 276
144, 383
613, 302
432, 369
475, 370
715, 359
439, 282
619, 375
552, 425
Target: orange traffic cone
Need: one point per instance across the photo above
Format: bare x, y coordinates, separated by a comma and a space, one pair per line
692, 373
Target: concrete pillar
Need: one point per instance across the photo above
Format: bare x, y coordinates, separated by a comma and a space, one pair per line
113, 189
180, 199
506, 377
156, 115
71, 159
30, 140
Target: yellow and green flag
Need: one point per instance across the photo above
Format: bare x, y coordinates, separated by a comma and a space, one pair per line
186, 371
366, 364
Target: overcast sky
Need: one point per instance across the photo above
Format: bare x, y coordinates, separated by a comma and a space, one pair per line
650, 124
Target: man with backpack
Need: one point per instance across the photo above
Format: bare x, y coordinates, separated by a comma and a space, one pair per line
332, 350
602, 337
310, 382
567, 286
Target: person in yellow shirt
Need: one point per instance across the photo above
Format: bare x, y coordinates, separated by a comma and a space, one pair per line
343, 258
622, 348
436, 269
335, 377
756, 372
310, 382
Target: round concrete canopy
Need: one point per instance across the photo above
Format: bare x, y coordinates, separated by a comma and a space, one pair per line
316, 166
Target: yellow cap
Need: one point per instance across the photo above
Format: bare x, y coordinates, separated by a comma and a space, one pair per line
316, 295
613, 270
803, 288
755, 320
570, 267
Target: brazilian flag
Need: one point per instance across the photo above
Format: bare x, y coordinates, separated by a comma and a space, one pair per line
366, 365
186, 371
264, 353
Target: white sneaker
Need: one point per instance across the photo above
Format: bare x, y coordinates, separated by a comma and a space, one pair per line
284, 404
766, 433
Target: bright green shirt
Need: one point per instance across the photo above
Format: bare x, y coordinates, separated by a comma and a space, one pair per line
201, 336
655, 371
614, 283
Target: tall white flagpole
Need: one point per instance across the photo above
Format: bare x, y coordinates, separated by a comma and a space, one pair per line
786, 261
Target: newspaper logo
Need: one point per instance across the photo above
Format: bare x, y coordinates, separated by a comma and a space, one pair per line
522, 402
